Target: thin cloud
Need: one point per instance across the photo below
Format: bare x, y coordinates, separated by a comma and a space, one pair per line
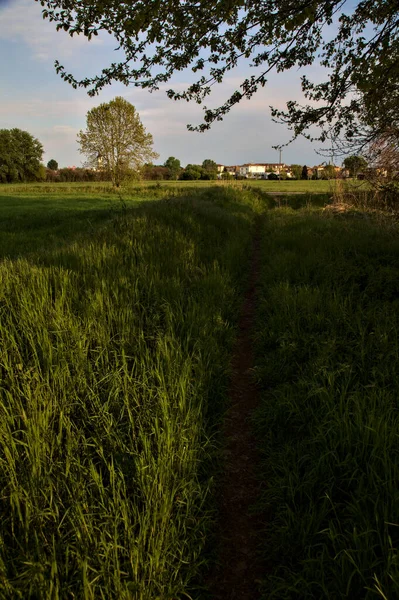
65, 130
22, 21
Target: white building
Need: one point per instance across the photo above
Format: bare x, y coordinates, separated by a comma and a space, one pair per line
261, 170
251, 170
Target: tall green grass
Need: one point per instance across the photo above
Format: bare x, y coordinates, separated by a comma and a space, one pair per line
328, 367
42, 216
114, 354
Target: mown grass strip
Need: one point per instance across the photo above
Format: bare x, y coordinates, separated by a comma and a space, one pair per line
328, 363
137, 187
114, 352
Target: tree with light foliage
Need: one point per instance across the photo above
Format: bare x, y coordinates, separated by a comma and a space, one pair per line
329, 172
297, 171
115, 140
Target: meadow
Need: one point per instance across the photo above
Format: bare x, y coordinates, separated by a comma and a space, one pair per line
114, 355
328, 424
118, 313
134, 187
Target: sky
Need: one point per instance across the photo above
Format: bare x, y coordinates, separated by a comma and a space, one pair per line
34, 98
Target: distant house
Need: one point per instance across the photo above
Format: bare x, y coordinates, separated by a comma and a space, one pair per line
232, 169
261, 170
276, 168
251, 170
318, 172
256, 170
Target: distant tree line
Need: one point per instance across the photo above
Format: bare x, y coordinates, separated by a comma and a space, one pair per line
172, 170
20, 161
21, 155
75, 174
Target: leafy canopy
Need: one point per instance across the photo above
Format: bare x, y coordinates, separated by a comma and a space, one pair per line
355, 164
174, 167
52, 165
116, 140
329, 172
20, 156
296, 170
210, 165
191, 172
212, 38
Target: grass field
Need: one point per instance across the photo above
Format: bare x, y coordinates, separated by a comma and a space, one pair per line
117, 319
105, 189
114, 353
40, 216
43, 216
328, 365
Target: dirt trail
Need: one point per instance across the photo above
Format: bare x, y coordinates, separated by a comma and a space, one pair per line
239, 569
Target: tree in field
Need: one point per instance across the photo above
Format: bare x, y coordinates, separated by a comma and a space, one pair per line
355, 165
191, 172
116, 140
329, 172
296, 171
20, 156
52, 165
304, 174
209, 169
174, 167
359, 52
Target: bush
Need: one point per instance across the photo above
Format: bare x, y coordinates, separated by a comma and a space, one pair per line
190, 175
79, 175
41, 174
389, 193
155, 173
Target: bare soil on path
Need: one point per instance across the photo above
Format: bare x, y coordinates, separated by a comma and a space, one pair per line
239, 570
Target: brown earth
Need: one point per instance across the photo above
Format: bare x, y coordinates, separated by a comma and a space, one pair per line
239, 570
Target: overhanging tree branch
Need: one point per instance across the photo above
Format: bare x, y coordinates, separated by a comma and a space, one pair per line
160, 38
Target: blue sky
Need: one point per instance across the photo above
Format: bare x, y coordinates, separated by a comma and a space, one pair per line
34, 98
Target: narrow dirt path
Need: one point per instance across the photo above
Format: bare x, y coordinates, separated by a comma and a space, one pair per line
238, 568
